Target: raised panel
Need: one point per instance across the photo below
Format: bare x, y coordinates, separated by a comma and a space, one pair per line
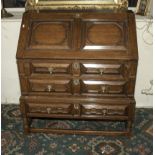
52, 86
102, 68
103, 87
50, 35
50, 68
104, 35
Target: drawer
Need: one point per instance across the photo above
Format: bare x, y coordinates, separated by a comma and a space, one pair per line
103, 87
110, 69
50, 68
50, 85
47, 108
91, 110
79, 110
79, 107
102, 68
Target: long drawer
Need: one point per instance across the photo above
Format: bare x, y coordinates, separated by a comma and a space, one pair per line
101, 68
73, 86
111, 109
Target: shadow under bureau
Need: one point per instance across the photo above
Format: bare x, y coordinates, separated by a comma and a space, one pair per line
77, 65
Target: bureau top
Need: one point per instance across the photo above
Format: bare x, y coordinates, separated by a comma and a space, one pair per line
78, 35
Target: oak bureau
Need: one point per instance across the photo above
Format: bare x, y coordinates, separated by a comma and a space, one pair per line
78, 65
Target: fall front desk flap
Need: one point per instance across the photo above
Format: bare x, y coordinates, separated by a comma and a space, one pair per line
76, 5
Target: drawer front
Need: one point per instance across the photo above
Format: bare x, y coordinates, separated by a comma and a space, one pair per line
91, 110
50, 86
50, 68
103, 87
102, 68
55, 109
82, 110
107, 108
115, 69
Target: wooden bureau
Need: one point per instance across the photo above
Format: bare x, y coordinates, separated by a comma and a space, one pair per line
77, 65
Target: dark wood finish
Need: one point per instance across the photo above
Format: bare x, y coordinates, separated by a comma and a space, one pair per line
77, 65
86, 132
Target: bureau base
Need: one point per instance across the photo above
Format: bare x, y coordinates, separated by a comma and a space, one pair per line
107, 109
28, 130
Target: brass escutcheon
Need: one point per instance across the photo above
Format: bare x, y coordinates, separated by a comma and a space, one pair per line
76, 82
76, 65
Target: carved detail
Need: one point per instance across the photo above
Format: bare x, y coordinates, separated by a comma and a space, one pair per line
59, 110
78, 5
51, 110
123, 3
93, 111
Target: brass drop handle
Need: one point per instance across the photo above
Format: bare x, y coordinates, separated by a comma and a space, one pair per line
49, 88
101, 71
103, 88
48, 110
104, 111
76, 82
76, 106
50, 69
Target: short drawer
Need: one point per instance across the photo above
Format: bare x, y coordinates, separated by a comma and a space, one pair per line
103, 68
56, 85
91, 110
50, 68
103, 87
55, 109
